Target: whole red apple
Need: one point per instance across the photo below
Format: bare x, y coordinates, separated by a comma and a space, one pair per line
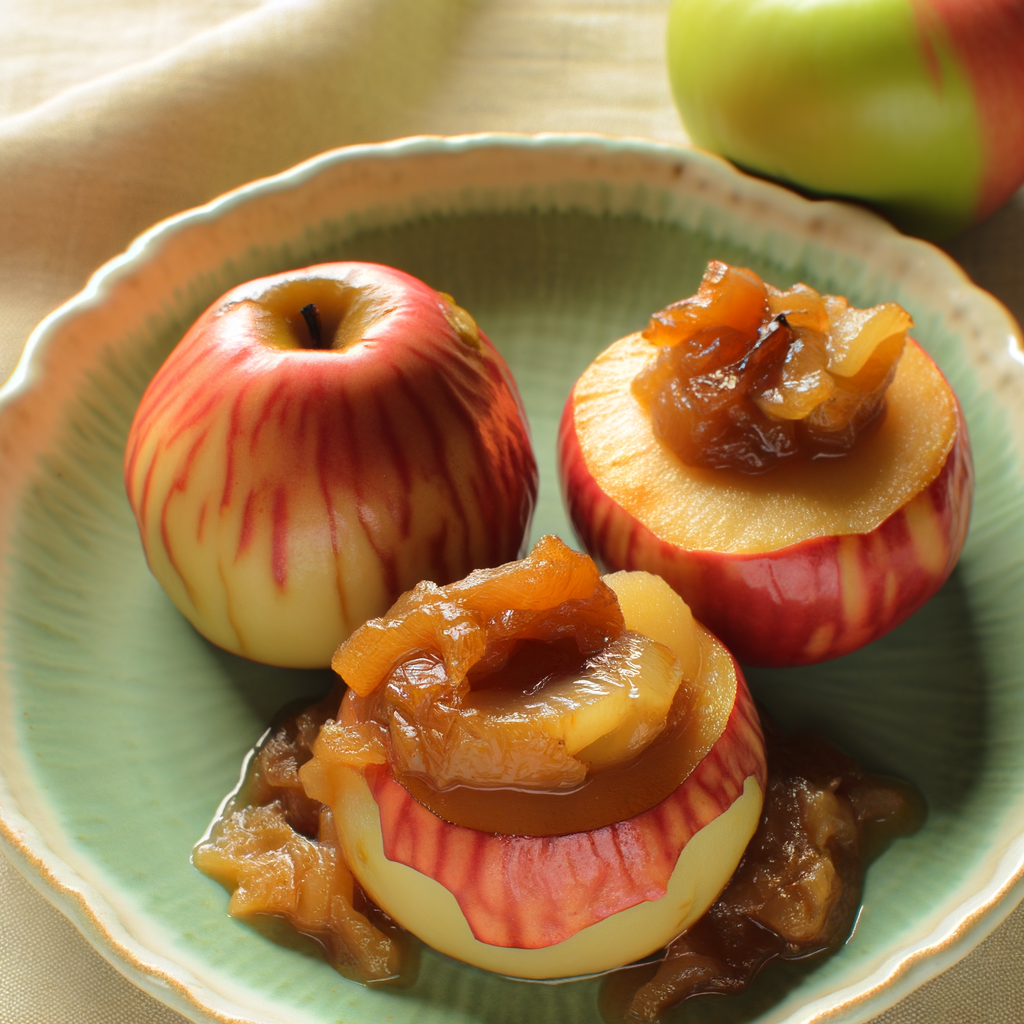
914, 106
792, 567
319, 442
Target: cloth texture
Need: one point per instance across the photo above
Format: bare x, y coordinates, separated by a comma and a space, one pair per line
117, 113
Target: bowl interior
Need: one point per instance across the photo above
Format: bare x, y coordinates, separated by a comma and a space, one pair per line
133, 727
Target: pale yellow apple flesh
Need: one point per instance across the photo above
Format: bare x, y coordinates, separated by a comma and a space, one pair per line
698, 509
609, 710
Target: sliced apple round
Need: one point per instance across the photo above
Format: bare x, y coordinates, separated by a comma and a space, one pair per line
807, 562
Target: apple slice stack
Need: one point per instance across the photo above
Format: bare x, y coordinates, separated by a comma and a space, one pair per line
542, 877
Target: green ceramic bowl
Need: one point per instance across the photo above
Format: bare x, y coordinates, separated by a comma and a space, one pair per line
121, 728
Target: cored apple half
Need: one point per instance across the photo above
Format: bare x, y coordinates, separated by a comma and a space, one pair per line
805, 563
557, 906
317, 443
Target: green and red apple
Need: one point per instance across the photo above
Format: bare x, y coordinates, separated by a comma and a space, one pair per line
913, 106
319, 442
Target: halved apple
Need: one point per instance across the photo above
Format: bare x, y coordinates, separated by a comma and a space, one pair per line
806, 562
563, 903
317, 443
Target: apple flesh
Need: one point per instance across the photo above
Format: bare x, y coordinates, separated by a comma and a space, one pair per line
793, 567
915, 108
554, 907
548, 906
319, 442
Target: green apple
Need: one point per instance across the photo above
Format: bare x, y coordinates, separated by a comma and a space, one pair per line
913, 106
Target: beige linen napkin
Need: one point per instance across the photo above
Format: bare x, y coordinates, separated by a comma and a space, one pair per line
115, 114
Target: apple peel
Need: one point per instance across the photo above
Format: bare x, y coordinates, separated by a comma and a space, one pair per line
531, 892
802, 601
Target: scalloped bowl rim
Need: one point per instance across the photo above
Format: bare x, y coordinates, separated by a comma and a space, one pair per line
849, 229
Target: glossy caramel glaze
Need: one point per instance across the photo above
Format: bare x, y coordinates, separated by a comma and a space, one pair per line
521, 677
795, 893
602, 798
278, 853
797, 890
748, 376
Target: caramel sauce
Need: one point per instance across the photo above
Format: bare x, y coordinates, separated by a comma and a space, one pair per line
516, 702
529, 666
797, 890
603, 798
278, 852
437, 686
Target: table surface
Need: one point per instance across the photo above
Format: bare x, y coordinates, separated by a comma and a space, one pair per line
118, 113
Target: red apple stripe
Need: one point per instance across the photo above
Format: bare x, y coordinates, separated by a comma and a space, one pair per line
480, 466
926, 24
323, 482
437, 446
266, 408
988, 38
194, 413
335, 433
178, 487
200, 522
245, 534
279, 538
141, 502
229, 453
530, 892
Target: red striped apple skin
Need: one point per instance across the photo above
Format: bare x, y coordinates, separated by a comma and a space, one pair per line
988, 38
285, 494
801, 604
531, 892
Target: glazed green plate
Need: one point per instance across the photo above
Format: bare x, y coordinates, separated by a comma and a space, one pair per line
121, 729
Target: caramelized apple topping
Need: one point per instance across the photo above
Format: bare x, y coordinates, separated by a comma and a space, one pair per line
275, 769
278, 852
748, 375
521, 676
797, 889
275, 871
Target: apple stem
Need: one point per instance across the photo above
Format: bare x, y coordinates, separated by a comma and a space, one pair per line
312, 317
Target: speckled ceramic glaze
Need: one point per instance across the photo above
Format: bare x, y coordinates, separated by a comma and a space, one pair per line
121, 728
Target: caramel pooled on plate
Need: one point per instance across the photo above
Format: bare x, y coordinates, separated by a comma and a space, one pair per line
797, 890
278, 853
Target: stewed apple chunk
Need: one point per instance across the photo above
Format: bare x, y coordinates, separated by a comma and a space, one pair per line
274, 870
747, 375
523, 676
278, 852
796, 891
